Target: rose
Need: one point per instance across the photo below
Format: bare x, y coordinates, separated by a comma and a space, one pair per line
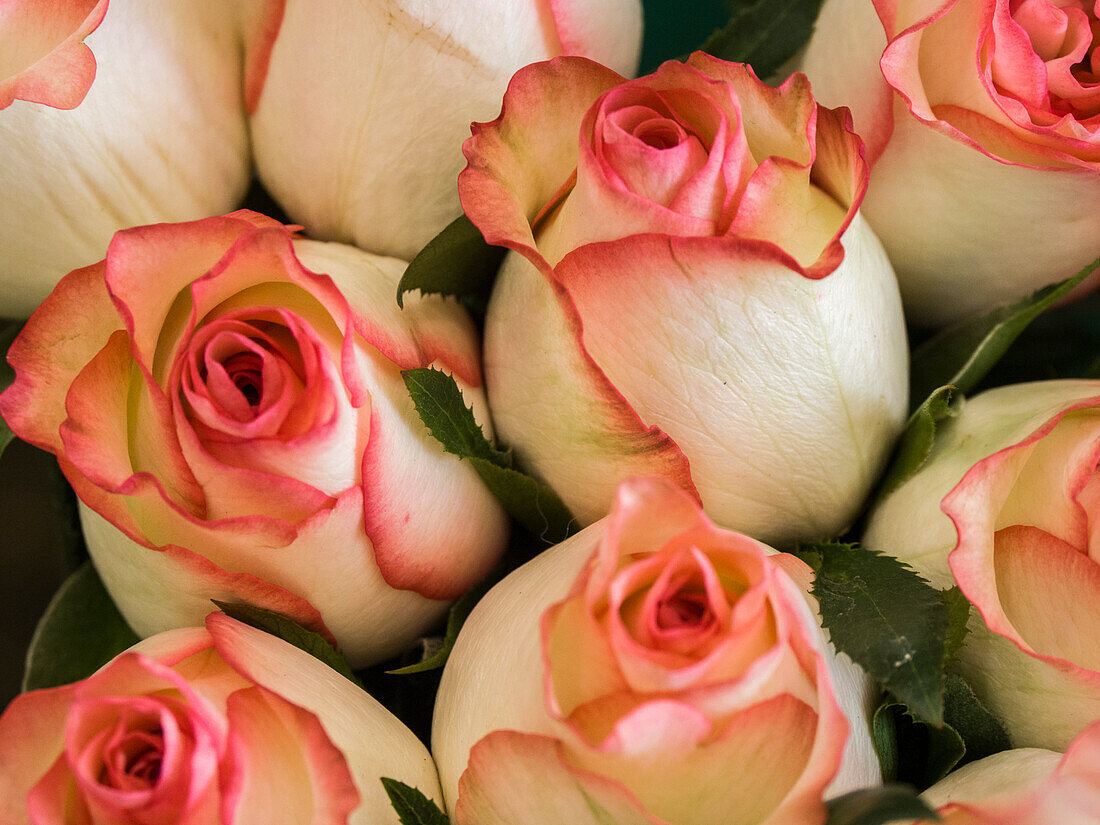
237, 427
160, 135
1028, 786
365, 105
693, 293
651, 669
1015, 477
225, 724
981, 119
45, 59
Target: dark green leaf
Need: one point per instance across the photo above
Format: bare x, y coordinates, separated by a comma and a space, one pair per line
958, 614
765, 34
289, 631
455, 262
982, 732
918, 437
8, 331
413, 808
460, 610
916, 752
962, 354
877, 806
80, 631
888, 619
531, 502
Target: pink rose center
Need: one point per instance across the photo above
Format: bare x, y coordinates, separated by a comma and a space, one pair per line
683, 610
133, 760
245, 370
1048, 57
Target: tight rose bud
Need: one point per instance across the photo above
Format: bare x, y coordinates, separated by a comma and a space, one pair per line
651, 669
1029, 786
237, 427
692, 293
981, 125
160, 135
1007, 506
365, 104
219, 726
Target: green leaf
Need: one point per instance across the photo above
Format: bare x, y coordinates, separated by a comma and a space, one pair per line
765, 34
455, 262
916, 752
289, 631
460, 611
877, 806
958, 614
980, 729
413, 808
529, 501
80, 632
962, 354
888, 619
8, 332
918, 437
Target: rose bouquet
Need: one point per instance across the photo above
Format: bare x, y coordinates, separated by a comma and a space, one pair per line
658, 450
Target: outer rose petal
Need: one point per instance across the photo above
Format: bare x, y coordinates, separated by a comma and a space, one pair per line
160, 137
344, 710
37, 64
766, 320
319, 127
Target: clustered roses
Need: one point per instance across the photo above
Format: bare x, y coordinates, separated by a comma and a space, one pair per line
696, 339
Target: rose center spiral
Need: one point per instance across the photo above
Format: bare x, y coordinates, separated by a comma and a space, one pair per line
134, 761
682, 609
245, 370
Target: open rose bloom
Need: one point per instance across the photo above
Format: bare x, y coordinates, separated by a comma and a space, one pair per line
236, 426
116, 116
982, 120
363, 106
651, 669
223, 724
691, 293
1008, 507
1029, 786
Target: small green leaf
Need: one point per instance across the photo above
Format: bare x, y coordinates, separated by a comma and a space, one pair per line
413, 808
877, 806
765, 33
80, 632
962, 354
455, 262
8, 331
289, 631
916, 752
958, 614
918, 437
460, 611
529, 501
888, 619
982, 732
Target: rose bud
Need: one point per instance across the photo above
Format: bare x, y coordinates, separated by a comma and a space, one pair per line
236, 427
365, 106
1007, 506
981, 126
651, 669
692, 293
225, 725
1028, 786
159, 134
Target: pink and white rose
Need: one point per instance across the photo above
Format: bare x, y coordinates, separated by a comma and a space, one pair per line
651, 669
223, 724
236, 426
692, 293
1008, 507
158, 132
365, 105
1028, 786
982, 119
